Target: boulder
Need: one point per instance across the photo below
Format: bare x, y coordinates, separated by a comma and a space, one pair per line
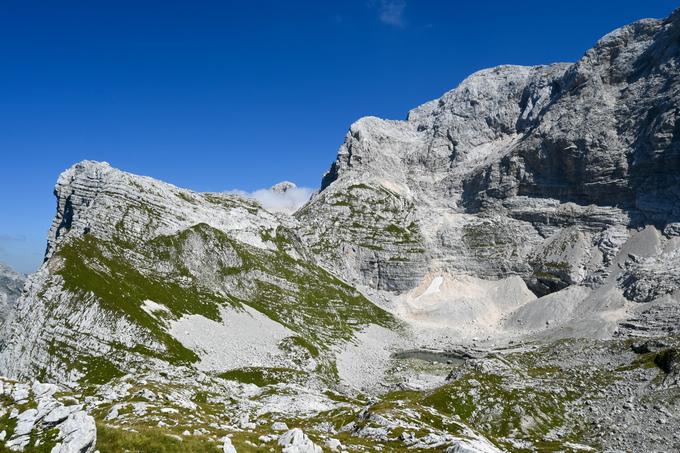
296, 441
228, 447
77, 434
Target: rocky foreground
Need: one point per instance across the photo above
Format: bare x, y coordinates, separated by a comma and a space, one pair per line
497, 272
572, 395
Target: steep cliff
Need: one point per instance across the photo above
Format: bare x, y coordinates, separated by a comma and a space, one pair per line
540, 172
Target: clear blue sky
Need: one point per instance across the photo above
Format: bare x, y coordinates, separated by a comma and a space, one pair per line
226, 94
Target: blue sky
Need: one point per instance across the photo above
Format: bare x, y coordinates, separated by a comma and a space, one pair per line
240, 95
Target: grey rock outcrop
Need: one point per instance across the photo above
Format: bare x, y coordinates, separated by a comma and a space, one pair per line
647, 279
76, 431
283, 187
296, 441
228, 447
77, 434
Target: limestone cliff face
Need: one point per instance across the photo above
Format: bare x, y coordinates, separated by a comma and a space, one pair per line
94, 198
608, 136
484, 179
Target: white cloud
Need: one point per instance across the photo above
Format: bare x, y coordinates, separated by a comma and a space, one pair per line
391, 12
288, 202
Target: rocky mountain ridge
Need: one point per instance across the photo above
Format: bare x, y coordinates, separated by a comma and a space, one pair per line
11, 284
480, 181
494, 273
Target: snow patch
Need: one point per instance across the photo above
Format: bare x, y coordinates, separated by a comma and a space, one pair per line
433, 288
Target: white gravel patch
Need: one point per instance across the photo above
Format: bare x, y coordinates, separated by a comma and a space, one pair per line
292, 399
363, 362
243, 338
466, 305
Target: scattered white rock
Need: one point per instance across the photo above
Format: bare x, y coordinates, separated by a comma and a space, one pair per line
147, 394
333, 444
228, 447
296, 441
279, 426
472, 446
59, 414
78, 434
43, 390
25, 422
21, 392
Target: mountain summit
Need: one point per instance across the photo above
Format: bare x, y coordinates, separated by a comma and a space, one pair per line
283, 187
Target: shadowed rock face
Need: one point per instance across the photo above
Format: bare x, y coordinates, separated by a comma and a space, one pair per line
493, 169
609, 135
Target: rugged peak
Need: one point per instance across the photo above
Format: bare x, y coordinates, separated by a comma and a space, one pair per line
76, 189
512, 148
11, 284
95, 198
283, 187
588, 132
84, 169
616, 57
6, 270
477, 85
474, 121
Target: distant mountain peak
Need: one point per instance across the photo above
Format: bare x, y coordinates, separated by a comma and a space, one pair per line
283, 187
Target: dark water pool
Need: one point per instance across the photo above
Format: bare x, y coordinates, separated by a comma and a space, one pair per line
450, 358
